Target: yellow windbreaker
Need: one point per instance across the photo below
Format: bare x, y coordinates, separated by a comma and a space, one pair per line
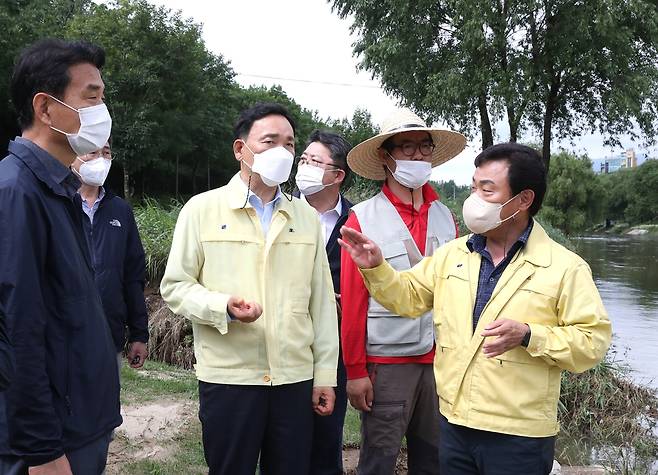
546, 286
219, 250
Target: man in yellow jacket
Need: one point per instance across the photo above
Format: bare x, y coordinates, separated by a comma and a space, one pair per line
512, 309
248, 267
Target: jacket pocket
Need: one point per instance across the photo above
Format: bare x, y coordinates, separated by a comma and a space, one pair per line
513, 385
388, 330
396, 255
447, 368
301, 334
385, 423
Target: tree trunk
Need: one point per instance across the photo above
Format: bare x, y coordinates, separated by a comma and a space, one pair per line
513, 124
126, 183
176, 188
485, 123
551, 104
208, 173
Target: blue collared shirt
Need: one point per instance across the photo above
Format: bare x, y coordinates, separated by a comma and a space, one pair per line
266, 211
490, 274
91, 210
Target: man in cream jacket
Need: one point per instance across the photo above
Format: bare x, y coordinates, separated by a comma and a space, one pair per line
248, 267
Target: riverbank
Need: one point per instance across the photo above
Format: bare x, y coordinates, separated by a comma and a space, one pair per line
161, 433
605, 417
627, 229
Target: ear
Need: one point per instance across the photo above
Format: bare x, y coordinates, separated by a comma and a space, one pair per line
526, 197
40, 104
387, 161
340, 177
238, 149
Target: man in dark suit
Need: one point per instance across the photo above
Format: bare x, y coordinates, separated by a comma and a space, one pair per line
321, 171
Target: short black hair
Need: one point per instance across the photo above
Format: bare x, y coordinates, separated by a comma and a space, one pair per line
256, 112
527, 170
44, 67
337, 145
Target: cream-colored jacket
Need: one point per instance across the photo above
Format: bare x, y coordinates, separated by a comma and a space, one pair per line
219, 250
546, 286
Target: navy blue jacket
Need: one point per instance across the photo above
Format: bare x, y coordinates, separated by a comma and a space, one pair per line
6, 363
333, 248
117, 257
64, 392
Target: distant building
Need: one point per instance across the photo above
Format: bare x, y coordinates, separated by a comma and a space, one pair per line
625, 159
630, 159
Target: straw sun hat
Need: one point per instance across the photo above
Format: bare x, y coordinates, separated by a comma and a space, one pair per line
364, 159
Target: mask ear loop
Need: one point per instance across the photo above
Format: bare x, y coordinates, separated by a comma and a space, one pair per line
246, 198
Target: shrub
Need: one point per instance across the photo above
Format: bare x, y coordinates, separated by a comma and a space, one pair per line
156, 228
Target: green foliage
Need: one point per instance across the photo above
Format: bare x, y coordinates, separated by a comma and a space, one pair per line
156, 228
173, 102
453, 196
578, 199
574, 197
561, 65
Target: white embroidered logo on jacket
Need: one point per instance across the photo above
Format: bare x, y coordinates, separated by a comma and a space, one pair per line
116, 222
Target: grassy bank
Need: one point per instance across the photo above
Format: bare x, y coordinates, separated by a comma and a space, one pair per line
605, 417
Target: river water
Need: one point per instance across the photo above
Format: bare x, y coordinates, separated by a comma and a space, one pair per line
625, 269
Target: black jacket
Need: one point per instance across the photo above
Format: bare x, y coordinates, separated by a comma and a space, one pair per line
333, 248
65, 388
117, 257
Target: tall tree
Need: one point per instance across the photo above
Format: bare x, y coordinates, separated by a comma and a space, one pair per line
164, 90
22, 22
555, 66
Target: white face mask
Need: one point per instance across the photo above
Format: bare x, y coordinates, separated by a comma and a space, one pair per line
273, 165
411, 173
481, 216
95, 128
309, 179
94, 172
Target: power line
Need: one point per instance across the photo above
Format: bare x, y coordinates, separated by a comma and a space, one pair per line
309, 81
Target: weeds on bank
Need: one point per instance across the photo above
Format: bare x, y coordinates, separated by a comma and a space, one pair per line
605, 416
156, 228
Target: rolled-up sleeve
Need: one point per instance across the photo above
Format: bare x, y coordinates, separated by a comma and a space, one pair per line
180, 287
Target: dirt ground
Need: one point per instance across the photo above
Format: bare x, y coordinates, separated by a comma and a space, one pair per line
148, 432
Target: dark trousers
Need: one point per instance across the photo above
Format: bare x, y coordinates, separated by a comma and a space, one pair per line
240, 422
87, 460
466, 451
327, 449
405, 405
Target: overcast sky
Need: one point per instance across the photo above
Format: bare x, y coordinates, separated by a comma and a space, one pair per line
303, 40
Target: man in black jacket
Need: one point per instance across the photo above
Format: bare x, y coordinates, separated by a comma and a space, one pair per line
117, 255
321, 171
57, 415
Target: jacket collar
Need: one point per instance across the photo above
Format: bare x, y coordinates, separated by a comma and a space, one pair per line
536, 251
45, 167
237, 194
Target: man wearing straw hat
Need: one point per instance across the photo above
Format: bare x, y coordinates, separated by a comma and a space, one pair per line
389, 358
